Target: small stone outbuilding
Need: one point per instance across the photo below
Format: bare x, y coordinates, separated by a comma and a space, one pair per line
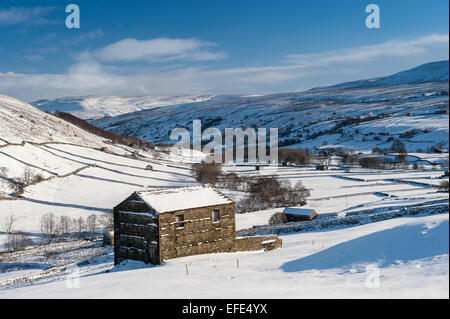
322, 167
296, 214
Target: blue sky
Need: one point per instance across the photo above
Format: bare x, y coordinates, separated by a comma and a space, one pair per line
210, 47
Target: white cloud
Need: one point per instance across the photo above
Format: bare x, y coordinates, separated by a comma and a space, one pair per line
80, 79
25, 16
305, 71
393, 48
33, 57
90, 35
160, 49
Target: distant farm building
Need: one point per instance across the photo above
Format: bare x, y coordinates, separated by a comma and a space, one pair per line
322, 167
156, 225
296, 214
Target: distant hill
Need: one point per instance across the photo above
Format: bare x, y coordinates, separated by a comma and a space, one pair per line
92, 107
411, 105
428, 72
20, 121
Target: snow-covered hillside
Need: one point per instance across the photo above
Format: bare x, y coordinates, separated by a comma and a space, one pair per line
91, 107
20, 121
71, 172
359, 117
428, 72
399, 258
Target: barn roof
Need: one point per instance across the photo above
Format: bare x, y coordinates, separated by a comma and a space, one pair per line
180, 198
298, 211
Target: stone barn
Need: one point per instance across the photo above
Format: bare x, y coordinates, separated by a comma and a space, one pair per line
155, 225
296, 214
160, 224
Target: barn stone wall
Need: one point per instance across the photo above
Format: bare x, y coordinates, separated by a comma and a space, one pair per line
257, 243
200, 234
135, 232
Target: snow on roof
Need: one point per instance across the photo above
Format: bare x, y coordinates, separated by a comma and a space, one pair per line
298, 211
179, 198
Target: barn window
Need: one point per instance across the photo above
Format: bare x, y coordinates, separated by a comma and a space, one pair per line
180, 221
216, 216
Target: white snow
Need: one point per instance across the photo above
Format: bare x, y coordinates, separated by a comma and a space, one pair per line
20, 122
173, 199
398, 258
90, 107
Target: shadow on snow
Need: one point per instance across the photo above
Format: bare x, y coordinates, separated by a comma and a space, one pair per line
400, 244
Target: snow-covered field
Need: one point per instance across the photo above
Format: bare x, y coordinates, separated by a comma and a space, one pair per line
97, 189
416, 266
398, 258
338, 191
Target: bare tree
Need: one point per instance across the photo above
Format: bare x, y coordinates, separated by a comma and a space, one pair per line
3, 174
91, 222
278, 218
264, 192
63, 227
270, 191
8, 223
28, 174
17, 241
48, 227
80, 226
297, 194
230, 181
17, 185
107, 221
207, 173
297, 156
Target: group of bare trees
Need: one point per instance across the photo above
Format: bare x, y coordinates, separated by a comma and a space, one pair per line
377, 161
296, 156
55, 229
15, 240
269, 191
17, 184
64, 228
207, 173
263, 191
444, 186
232, 181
